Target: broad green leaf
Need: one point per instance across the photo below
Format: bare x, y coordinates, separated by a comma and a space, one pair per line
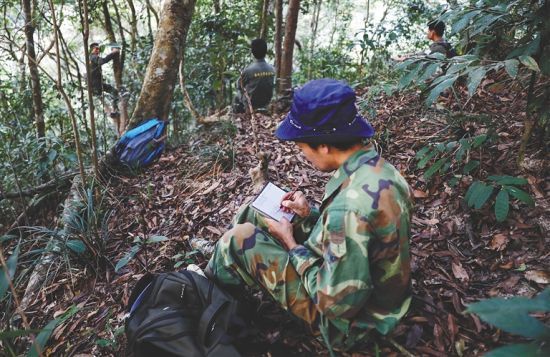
502, 204
530, 63
5, 335
474, 79
512, 315
126, 259
508, 180
434, 168
422, 163
406, 63
482, 196
457, 67
435, 92
450, 146
523, 349
12, 266
44, 335
453, 181
471, 191
437, 55
76, 246
463, 21
520, 195
483, 22
157, 239
528, 49
440, 147
431, 69
410, 76
471, 165
511, 67
464, 146
420, 153
478, 140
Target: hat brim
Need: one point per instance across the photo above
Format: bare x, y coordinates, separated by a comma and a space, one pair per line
359, 128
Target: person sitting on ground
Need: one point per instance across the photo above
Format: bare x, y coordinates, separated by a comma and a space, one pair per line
257, 79
343, 269
436, 30
97, 83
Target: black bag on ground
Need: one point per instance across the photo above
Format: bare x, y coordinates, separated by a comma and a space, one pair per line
181, 314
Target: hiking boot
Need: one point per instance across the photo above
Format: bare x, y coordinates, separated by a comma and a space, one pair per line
204, 246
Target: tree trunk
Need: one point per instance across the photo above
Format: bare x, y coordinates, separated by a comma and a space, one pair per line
314, 25
37, 108
118, 65
278, 39
288, 45
133, 25
155, 100
162, 72
263, 21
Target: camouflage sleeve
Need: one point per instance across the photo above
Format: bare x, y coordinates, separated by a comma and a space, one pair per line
338, 277
304, 226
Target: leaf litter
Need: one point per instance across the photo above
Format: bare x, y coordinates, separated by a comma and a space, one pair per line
459, 255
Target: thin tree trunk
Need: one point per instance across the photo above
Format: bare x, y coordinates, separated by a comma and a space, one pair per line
133, 26
288, 45
314, 25
117, 63
278, 40
263, 22
123, 103
162, 72
38, 107
83, 7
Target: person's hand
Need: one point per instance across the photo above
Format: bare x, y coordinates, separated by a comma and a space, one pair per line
282, 231
295, 202
115, 49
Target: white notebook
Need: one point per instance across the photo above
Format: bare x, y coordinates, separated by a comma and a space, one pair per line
268, 202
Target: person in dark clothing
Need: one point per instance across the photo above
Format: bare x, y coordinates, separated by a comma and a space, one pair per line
257, 79
436, 30
97, 83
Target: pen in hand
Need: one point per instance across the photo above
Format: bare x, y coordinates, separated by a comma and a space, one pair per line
290, 196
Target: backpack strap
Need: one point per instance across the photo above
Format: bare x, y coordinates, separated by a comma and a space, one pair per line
208, 333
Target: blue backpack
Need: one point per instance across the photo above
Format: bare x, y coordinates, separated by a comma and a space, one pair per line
143, 144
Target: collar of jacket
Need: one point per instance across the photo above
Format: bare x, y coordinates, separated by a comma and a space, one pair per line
352, 164
260, 59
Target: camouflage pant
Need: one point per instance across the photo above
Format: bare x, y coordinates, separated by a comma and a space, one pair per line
247, 254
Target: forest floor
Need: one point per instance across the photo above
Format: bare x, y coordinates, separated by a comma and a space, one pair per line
459, 255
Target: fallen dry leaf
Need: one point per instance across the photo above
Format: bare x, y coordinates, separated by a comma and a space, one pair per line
460, 273
538, 276
499, 242
420, 194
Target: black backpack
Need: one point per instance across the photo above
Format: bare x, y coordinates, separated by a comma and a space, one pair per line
181, 314
450, 50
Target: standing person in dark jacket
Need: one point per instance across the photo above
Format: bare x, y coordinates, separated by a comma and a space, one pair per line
97, 83
436, 29
257, 79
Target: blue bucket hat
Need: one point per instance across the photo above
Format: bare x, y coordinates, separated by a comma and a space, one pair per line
323, 111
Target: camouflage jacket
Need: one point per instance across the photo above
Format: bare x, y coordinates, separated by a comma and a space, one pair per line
258, 79
355, 263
